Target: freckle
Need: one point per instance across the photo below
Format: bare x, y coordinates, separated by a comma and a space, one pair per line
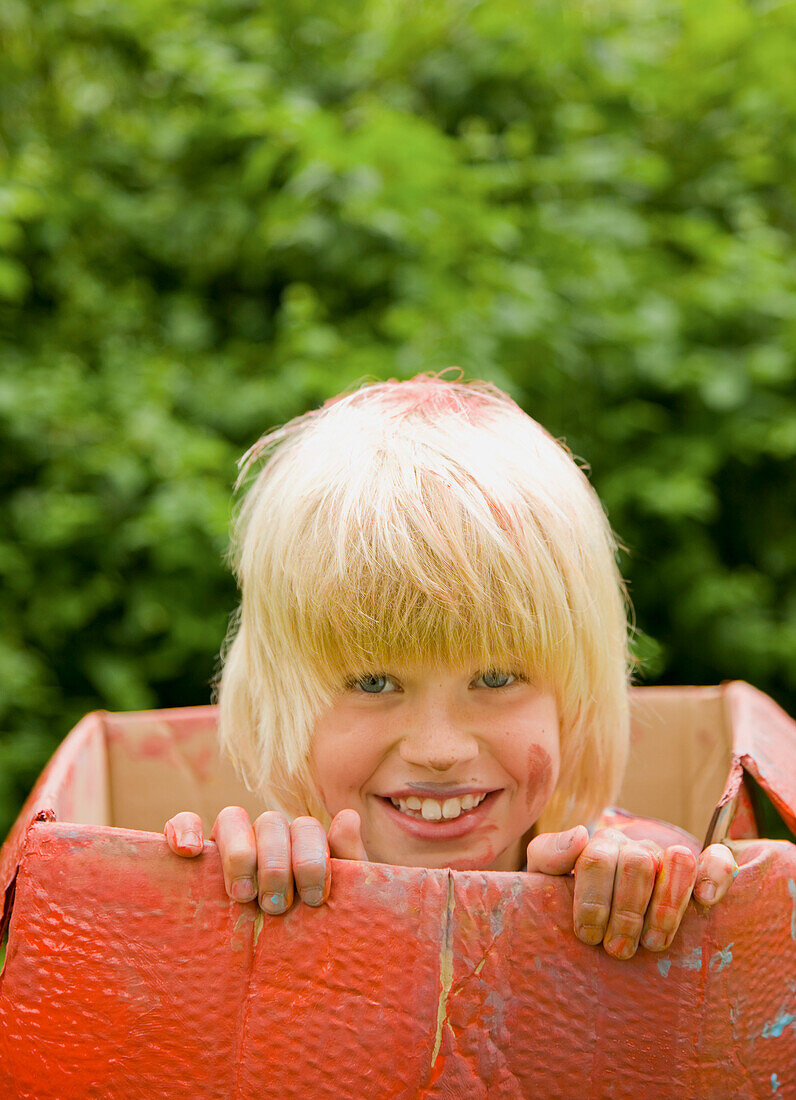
540, 773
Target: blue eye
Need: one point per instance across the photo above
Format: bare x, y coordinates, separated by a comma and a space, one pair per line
370, 684
493, 675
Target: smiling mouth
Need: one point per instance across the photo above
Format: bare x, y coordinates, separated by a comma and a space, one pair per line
432, 809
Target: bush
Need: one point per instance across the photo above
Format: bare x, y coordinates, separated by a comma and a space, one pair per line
214, 214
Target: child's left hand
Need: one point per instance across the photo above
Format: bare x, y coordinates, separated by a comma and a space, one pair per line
630, 890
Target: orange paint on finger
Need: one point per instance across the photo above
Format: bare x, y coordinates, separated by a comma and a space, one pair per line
674, 878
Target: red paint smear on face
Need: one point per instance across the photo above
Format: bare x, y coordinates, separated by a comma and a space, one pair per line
540, 778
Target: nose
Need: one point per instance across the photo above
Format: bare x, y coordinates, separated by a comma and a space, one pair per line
438, 744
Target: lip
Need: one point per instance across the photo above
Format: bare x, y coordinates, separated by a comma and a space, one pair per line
440, 830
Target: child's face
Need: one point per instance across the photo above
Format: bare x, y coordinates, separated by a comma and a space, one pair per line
435, 737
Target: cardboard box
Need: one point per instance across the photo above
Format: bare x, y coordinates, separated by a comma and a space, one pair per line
129, 973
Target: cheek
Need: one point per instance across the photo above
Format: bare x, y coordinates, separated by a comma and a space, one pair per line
541, 779
342, 763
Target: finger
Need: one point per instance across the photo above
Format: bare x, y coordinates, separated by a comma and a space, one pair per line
274, 870
310, 859
234, 835
556, 853
184, 834
595, 871
345, 836
670, 897
636, 869
716, 869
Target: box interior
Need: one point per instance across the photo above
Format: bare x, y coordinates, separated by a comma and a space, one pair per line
158, 763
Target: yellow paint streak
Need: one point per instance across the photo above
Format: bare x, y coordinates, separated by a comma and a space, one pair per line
236, 941
258, 924
445, 970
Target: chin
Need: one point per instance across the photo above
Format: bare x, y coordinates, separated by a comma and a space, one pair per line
465, 864
442, 862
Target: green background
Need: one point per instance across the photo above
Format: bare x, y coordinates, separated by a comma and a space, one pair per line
215, 214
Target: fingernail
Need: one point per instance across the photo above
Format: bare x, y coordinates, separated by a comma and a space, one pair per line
708, 891
620, 946
654, 941
313, 896
564, 841
274, 903
591, 936
189, 840
735, 870
243, 889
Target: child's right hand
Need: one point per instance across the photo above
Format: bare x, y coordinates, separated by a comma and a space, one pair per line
266, 859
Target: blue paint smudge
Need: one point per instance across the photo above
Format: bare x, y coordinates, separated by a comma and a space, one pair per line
775, 1029
792, 892
722, 958
774, 1082
693, 961
496, 922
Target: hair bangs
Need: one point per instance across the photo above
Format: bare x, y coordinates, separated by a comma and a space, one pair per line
432, 573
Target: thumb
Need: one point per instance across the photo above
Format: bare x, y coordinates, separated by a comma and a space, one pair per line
184, 834
345, 836
557, 853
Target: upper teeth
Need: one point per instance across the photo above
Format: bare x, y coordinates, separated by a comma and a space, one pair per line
432, 810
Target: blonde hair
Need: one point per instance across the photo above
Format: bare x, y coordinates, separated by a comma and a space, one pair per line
425, 519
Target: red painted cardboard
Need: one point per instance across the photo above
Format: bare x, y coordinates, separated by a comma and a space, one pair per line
129, 973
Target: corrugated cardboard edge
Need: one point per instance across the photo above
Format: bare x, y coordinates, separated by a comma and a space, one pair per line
764, 745
54, 796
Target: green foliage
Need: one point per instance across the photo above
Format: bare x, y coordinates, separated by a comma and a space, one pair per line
215, 214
